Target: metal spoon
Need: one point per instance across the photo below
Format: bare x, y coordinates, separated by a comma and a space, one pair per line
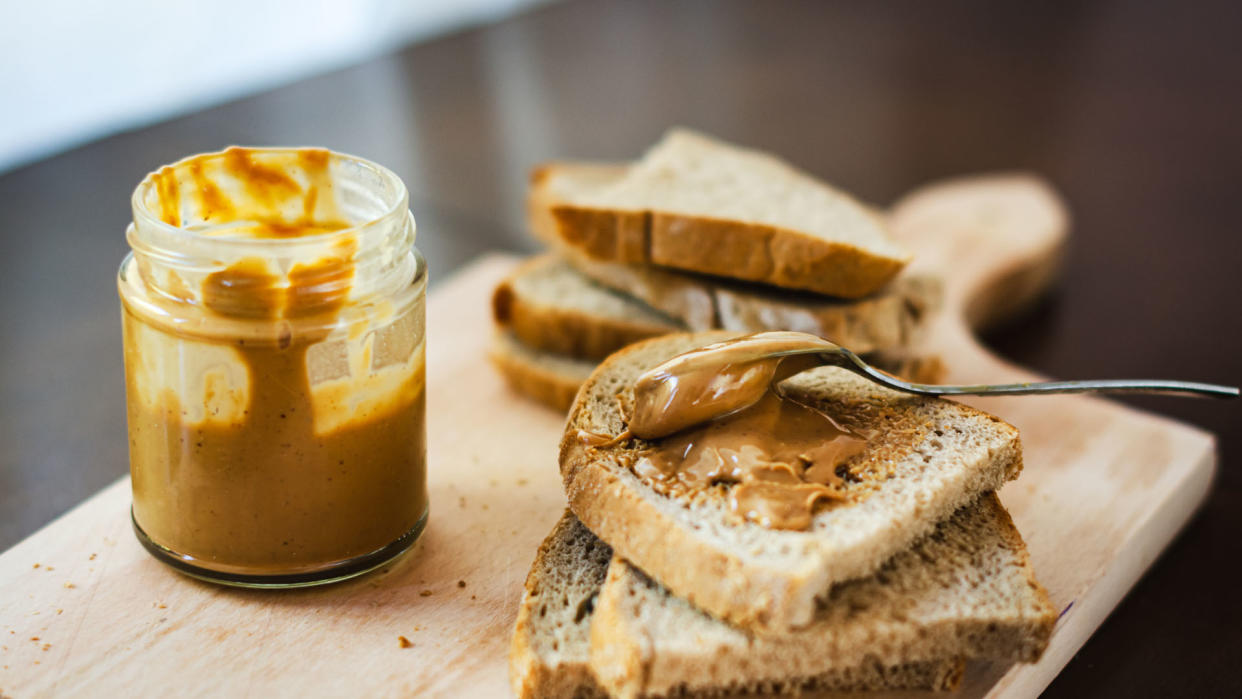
841, 357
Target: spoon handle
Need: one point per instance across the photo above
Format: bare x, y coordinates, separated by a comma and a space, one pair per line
1184, 388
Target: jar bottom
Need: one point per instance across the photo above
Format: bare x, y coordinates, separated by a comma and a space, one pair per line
335, 572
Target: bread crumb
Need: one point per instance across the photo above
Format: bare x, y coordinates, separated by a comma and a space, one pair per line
34, 638
46, 646
49, 568
425, 593
92, 557
471, 596
461, 583
163, 606
404, 642
36, 565
522, 481
60, 611
69, 586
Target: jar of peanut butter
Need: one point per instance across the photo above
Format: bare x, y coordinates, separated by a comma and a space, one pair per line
273, 318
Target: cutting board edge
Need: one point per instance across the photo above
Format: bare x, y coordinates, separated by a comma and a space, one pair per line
1141, 550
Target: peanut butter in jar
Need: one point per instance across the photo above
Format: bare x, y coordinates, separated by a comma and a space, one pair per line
273, 317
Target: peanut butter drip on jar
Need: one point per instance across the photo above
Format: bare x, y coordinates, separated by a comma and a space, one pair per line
718, 418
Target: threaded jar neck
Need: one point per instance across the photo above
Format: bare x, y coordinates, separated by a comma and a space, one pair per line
273, 233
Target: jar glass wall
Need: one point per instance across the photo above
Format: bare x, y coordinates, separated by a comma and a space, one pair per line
273, 318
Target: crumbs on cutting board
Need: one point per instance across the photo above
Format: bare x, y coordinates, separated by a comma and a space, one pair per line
425, 593
461, 583
404, 642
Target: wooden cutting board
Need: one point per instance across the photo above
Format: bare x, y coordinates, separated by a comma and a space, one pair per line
84, 611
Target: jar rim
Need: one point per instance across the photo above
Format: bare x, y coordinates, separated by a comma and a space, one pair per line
144, 216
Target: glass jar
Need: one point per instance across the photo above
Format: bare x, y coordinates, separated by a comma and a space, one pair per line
273, 318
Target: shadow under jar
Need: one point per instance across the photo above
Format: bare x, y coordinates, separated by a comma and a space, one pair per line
273, 317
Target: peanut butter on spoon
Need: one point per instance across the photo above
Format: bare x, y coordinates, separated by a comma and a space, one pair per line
718, 418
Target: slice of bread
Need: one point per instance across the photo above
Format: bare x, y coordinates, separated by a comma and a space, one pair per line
550, 379
553, 379
550, 656
698, 204
889, 318
549, 306
966, 589
550, 653
926, 458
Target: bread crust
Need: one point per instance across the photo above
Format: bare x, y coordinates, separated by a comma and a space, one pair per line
732, 249
545, 384
563, 329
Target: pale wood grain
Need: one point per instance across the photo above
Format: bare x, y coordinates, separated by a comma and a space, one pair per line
1104, 490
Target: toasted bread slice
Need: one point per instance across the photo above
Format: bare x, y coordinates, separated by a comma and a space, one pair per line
892, 317
966, 589
698, 204
553, 379
551, 655
583, 308
927, 457
549, 306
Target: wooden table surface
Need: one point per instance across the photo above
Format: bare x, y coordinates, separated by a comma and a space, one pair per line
1132, 111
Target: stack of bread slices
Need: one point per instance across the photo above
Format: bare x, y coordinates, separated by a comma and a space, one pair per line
643, 592
700, 235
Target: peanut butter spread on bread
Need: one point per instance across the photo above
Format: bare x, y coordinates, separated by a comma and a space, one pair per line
716, 416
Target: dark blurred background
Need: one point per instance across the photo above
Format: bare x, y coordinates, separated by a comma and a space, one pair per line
1132, 110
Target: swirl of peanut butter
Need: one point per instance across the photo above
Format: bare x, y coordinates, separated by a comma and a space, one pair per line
717, 418
711, 381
